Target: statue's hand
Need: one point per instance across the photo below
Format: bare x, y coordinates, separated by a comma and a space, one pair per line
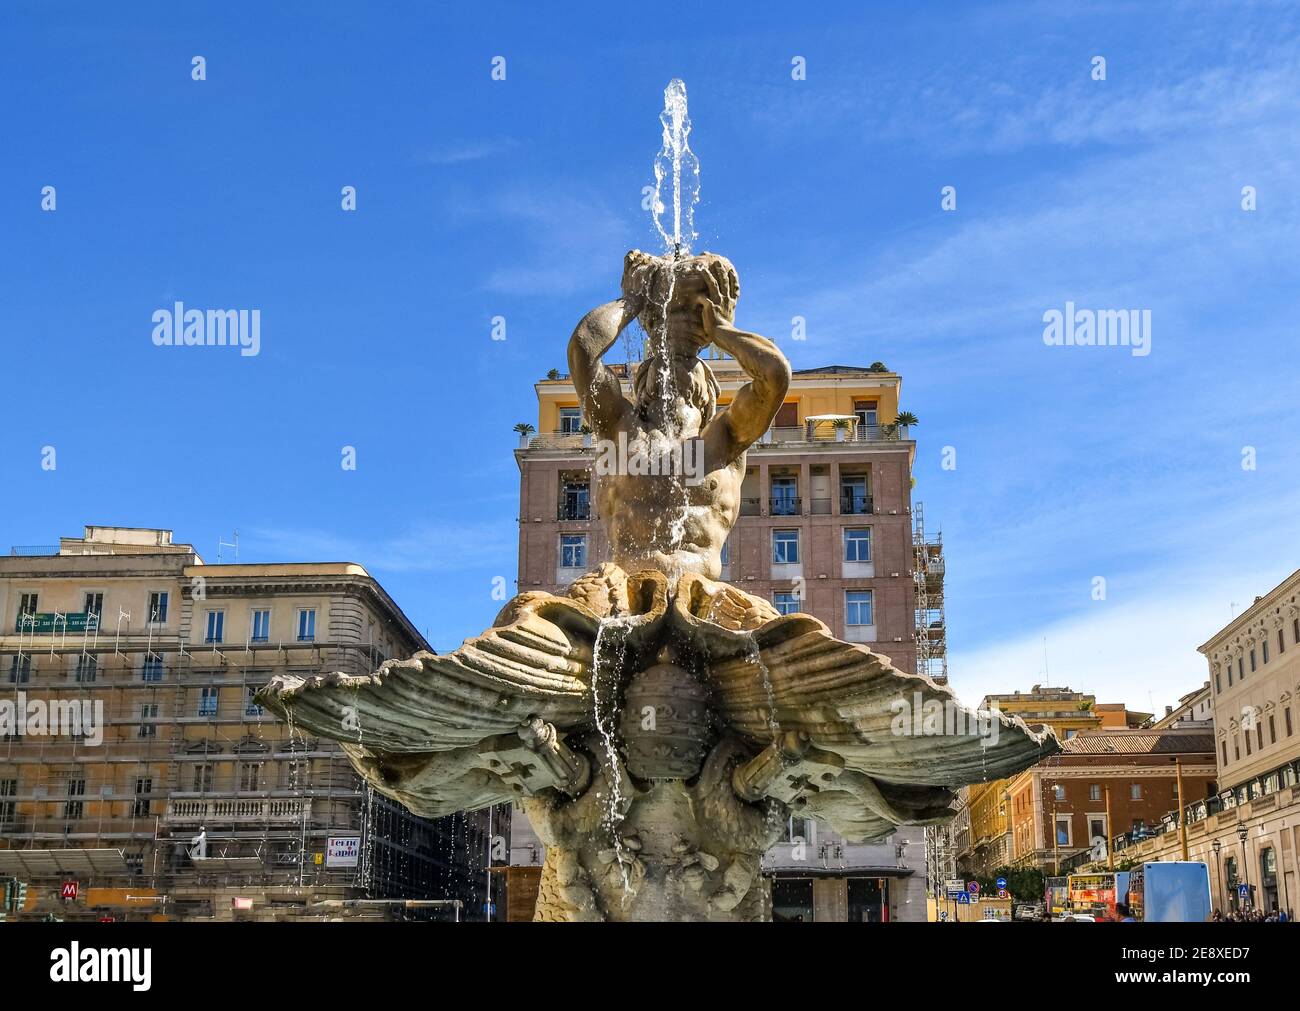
642, 277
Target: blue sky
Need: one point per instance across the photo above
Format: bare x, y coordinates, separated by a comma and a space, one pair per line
478, 198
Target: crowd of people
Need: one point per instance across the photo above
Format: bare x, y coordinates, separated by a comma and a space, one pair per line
1273, 915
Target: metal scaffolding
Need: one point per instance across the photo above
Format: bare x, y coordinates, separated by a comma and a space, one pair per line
931, 622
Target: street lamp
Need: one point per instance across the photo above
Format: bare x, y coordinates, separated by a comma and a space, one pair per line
1218, 869
1242, 833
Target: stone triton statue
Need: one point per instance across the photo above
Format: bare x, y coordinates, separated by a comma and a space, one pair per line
656, 726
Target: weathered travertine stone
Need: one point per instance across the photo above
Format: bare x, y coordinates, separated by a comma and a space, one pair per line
657, 726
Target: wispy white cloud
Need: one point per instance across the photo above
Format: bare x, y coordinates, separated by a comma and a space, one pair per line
430, 547
459, 152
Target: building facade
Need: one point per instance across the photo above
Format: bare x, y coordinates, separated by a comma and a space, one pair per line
177, 796
827, 526
1248, 832
1104, 783
988, 844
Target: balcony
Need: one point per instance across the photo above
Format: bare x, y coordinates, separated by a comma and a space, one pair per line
236, 811
573, 511
785, 505
775, 439
855, 505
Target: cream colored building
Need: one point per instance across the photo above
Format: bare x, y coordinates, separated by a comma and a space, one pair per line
1249, 831
164, 653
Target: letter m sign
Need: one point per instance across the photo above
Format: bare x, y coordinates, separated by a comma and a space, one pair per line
69, 889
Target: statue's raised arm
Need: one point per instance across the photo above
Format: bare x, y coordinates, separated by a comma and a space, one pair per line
748, 416
603, 403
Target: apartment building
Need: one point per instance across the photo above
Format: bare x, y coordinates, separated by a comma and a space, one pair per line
828, 527
1067, 713
1104, 784
177, 796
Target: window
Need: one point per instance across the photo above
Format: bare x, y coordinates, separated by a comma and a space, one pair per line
74, 807
152, 668
786, 603
857, 607
148, 711
93, 608
799, 830
1096, 828
1236, 748
570, 420
1264, 646
20, 669
577, 501
208, 701
250, 776
158, 607
853, 496
1259, 733
785, 496
1225, 751
573, 551
867, 415
1135, 791
1094, 791
1069, 734
1218, 686
87, 667
1272, 730
27, 604
1286, 715
261, 626
251, 708
141, 807
1063, 830
1253, 667
202, 777
307, 624
1247, 736
216, 626
1241, 670
725, 554
1281, 641
1059, 792
785, 547
857, 545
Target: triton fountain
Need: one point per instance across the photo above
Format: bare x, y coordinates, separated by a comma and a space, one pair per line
658, 726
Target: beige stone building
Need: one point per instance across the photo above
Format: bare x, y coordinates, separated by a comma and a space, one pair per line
827, 526
1249, 831
177, 796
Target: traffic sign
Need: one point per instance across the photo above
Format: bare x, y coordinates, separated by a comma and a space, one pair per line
963, 899
973, 888
1243, 891
955, 886
1002, 893
1002, 884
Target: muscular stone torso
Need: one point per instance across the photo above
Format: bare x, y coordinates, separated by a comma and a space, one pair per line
666, 523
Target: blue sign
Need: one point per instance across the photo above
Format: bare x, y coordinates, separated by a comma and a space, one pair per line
1002, 883
963, 899
1243, 891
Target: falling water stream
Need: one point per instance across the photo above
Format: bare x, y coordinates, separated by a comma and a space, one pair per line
605, 726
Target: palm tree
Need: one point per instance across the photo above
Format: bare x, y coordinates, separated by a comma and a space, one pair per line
525, 430
906, 418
